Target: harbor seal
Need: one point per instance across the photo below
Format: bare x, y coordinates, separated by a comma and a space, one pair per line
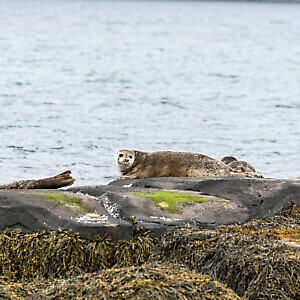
134, 164
55, 182
239, 166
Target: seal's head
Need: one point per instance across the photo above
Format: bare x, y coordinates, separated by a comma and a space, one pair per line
228, 159
124, 160
241, 167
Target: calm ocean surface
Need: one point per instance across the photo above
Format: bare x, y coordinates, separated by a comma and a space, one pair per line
81, 79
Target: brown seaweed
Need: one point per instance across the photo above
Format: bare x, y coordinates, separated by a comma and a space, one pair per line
148, 281
257, 260
62, 253
135, 251
251, 259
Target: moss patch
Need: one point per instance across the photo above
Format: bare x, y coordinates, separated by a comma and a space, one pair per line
73, 201
167, 200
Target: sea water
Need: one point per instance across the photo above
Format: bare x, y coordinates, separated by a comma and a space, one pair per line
81, 79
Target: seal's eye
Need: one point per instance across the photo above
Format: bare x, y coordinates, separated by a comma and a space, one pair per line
121, 155
130, 156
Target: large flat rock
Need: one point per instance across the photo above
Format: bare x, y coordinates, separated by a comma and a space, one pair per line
109, 209
261, 197
246, 199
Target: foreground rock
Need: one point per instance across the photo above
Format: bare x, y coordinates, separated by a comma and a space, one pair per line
257, 260
155, 203
34, 211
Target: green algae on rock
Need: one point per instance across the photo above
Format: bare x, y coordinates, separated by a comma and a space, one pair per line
68, 200
168, 200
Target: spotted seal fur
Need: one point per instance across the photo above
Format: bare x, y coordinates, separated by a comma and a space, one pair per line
134, 164
239, 166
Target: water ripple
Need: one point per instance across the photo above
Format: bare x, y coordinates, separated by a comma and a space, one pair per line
81, 79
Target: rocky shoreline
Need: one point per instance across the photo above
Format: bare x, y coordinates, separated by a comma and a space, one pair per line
173, 238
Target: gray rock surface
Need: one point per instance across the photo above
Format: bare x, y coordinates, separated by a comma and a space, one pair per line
29, 211
228, 201
261, 197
